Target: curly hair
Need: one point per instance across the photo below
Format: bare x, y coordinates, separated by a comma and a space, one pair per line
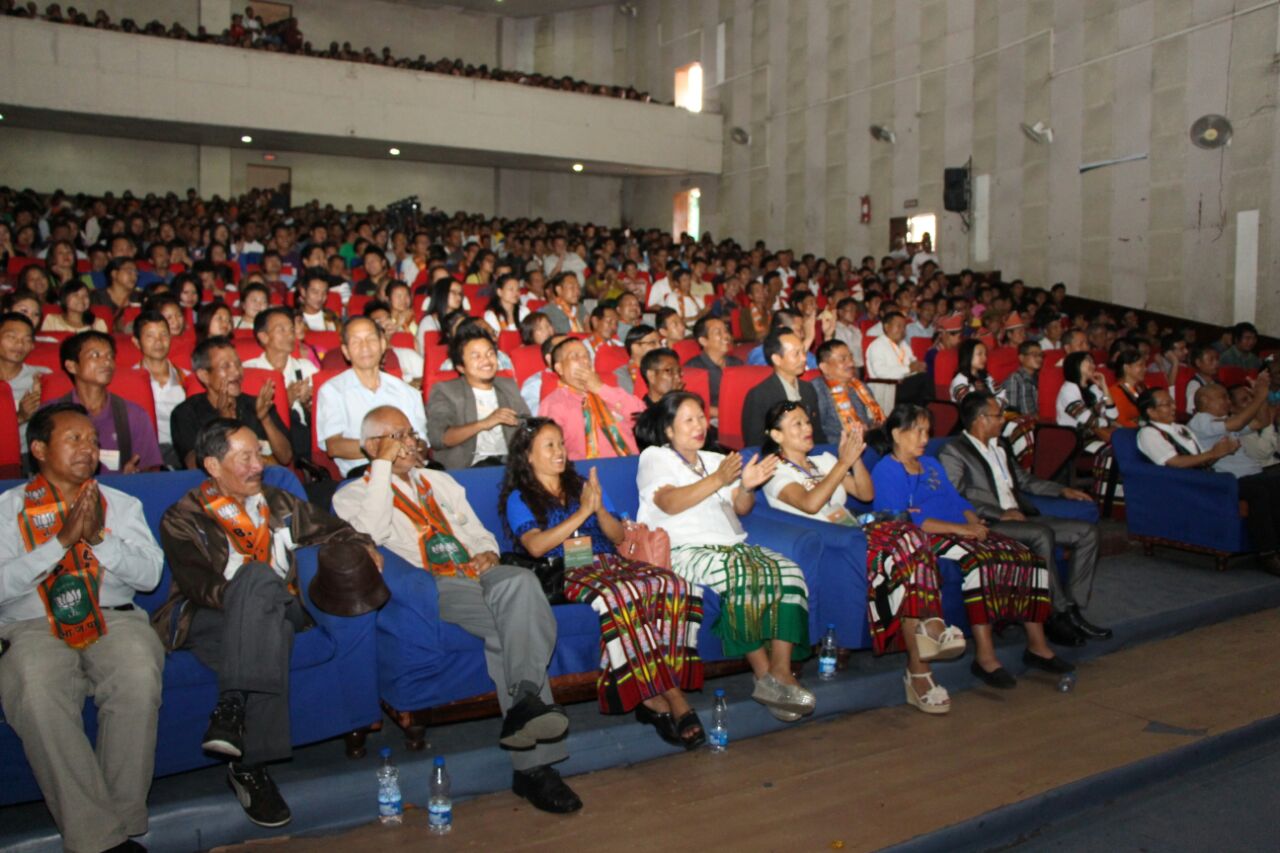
519, 477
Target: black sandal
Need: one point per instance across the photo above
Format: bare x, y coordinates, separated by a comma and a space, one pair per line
662, 722
685, 727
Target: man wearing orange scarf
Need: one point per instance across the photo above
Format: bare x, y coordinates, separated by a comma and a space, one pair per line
234, 602
69, 567
842, 398
597, 419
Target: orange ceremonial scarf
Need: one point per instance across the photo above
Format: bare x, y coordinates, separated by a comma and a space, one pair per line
442, 553
70, 591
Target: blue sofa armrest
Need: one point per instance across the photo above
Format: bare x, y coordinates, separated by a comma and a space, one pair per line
1066, 508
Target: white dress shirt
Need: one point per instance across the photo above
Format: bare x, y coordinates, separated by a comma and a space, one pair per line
996, 461
888, 360
343, 401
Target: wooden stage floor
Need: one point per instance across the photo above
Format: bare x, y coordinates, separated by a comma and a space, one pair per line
865, 781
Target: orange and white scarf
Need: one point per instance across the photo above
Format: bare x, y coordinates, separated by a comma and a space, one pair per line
70, 591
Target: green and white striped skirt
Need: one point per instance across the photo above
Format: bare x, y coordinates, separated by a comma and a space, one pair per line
763, 595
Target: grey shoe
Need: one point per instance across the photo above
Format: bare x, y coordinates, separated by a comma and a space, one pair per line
783, 697
783, 716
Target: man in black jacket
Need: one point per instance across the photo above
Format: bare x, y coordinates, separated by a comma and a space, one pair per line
785, 352
985, 472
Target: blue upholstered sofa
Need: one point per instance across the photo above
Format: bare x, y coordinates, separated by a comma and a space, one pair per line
333, 688
424, 662
1182, 508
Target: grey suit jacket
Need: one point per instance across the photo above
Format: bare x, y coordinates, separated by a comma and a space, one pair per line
974, 480
560, 320
452, 404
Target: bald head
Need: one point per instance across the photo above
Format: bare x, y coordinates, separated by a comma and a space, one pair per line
1213, 399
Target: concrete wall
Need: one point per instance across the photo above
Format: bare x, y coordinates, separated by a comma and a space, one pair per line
954, 78
407, 29
79, 163
82, 72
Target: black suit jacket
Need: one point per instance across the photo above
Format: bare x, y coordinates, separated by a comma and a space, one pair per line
766, 394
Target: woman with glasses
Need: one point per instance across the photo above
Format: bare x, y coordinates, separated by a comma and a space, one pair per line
903, 602
1004, 581
696, 496
649, 617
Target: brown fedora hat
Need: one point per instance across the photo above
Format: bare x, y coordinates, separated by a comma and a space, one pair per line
347, 582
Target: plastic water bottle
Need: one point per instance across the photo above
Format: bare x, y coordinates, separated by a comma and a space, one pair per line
439, 806
390, 806
718, 739
827, 655
1067, 683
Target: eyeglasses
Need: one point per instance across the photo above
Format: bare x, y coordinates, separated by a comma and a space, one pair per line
404, 435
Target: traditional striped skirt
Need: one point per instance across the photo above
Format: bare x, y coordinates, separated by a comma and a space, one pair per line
1020, 432
763, 595
649, 620
1004, 580
902, 581
1106, 476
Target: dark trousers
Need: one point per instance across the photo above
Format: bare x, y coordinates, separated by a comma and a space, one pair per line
1262, 493
1042, 534
248, 643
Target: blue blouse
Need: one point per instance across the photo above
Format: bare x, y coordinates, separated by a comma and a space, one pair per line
928, 494
521, 519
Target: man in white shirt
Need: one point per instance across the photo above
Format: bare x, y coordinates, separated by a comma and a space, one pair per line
151, 337
434, 527
1205, 361
847, 330
345, 399
661, 288
277, 335
72, 538
985, 472
561, 260
313, 293
889, 358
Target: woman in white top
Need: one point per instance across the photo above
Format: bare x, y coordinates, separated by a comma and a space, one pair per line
75, 316
904, 604
1085, 405
505, 311
971, 374
696, 496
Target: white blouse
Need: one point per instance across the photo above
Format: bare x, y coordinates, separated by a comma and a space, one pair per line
786, 474
712, 522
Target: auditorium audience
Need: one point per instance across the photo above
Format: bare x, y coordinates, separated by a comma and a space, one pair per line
1004, 580
662, 374
17, 339
597, 419
168, 390
564, 310
696, 496
980, 465
126, 438
568, 525
344, 400
843, 400
434, 527
74, 300
75, 557
471, 420
904, 604
276, 333
1166, 442
234, 601
786, 355
716, 339
889, 358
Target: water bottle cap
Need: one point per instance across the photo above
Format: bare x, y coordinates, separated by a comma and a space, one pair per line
439, 761
719, 692
385, 752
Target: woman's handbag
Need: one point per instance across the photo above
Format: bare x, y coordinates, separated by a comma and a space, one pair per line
643, 545
550, 573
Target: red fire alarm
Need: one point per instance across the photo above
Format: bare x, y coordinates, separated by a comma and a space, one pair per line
865, 210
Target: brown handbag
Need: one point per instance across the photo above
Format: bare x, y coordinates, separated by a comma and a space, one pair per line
643, 545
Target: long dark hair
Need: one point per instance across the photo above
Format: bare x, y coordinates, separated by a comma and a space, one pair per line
438, 304
86, 317
1072, 367
495, 302
652, 424
519, 477
772, 418
964, 359
903, 416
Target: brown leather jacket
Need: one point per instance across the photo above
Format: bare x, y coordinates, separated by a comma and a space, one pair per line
197, 549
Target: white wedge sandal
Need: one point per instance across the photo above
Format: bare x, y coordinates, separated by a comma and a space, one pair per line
948, 645
935, 701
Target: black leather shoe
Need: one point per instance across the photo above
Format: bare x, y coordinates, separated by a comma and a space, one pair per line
543, 787
532, 721
225, 735
1061, 631
998, 678
1055, 664
1085, 627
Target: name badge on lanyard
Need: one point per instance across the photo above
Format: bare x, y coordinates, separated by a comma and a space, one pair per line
578, 552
